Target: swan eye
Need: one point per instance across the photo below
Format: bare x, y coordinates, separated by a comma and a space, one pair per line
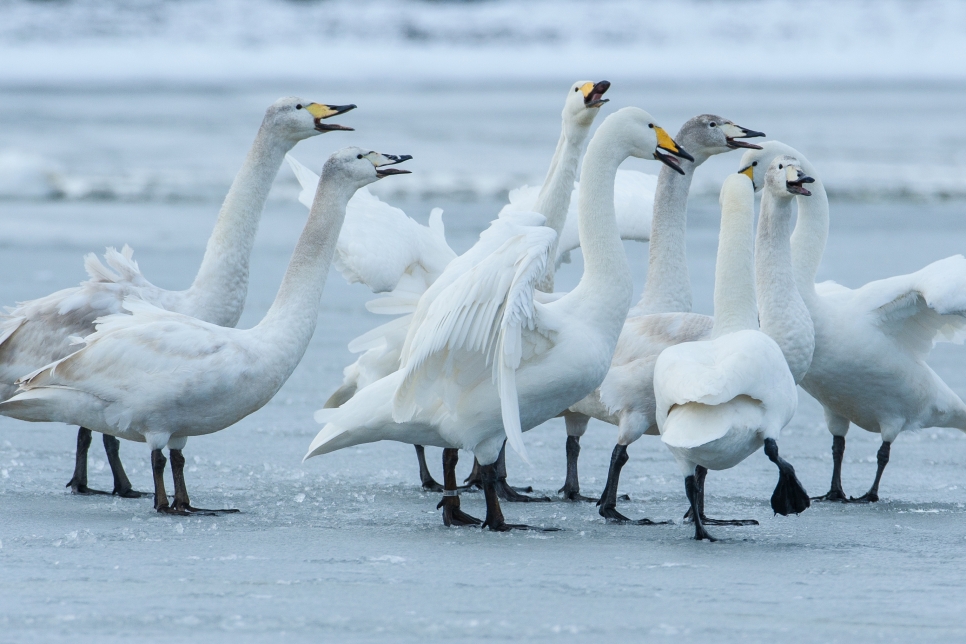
713, 124
780, 166
755, 163
650, 125
576, 89
299, 106
359, 156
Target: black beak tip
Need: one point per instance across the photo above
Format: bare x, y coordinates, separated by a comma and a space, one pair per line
684, 154
750, 134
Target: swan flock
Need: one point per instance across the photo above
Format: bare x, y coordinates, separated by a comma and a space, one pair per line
479, 347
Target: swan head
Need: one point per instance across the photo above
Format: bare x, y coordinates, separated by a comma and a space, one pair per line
359, 167
709, 134
299, 119
640, 136
754, 163
583, 102
785, 178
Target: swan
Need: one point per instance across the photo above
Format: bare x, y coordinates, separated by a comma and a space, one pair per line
38, 332
661, 319
408, 257
718, 400
485, 358
871, 343
159, 376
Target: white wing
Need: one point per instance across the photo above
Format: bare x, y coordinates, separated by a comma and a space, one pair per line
918, 309
40, 331
379, 245
633, 202
475, 322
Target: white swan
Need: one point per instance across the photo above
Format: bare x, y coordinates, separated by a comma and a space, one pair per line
661, 319
485, 359
38, 332
871, 343
157, 376
719, 400
408, 257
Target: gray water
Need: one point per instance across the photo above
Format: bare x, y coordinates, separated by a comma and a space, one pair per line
346, 547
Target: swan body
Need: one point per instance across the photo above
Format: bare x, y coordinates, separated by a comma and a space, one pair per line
40, 331
871, 343
661, 319
719, 400
159, 376
484, 359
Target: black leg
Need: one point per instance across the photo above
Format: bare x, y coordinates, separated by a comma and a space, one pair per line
789, 495
494, 514
882, 459
452, 515
835, 493
608, 500
427, 480
475, 480
571, 488
508, 493
78, 482
158, 463
691, 489
122, 485
700, 473
182, 503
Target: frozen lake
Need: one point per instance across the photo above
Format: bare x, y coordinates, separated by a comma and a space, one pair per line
346, 547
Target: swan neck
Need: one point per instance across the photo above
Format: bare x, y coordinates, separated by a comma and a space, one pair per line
553, 202
220, 288
735, 303
606, 285
295, 311
668, 286
782, 311
809, 238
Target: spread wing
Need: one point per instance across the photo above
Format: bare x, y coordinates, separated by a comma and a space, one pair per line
480, 323
379, 245
918, 309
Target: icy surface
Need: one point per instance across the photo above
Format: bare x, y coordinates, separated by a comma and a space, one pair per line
346, 547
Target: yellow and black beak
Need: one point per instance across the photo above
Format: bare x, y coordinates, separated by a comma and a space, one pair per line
666, 143
383, 160
794, 180
733, 132
320, 111
749, 171
593, 92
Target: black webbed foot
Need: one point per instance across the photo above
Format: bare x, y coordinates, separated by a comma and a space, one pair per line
453, 516
574, 495
689, 518
130, 493
513, 495
789, 496
82, 489
613, 516
832, 495
868, 497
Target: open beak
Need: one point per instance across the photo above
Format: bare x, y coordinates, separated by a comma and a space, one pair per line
593, 93
320, 111
794, 178
734, 132
383, 160
666, 143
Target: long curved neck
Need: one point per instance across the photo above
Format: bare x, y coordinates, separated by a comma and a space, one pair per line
293, 315
668, 287
809, 237
606, 285
553, 202
735, 303
219, 290
782, 311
